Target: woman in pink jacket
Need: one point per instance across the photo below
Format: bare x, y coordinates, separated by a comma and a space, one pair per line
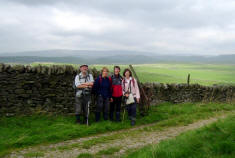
131, 93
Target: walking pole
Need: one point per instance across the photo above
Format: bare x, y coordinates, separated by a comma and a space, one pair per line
88, 108
123, 115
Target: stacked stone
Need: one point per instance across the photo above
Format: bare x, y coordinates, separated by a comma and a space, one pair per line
179, 93
27, 90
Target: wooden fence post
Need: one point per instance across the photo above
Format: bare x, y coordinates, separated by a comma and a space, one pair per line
188, 80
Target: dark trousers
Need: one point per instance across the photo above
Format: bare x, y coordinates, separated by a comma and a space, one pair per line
102, 106
131, 109
115, 107
81, 105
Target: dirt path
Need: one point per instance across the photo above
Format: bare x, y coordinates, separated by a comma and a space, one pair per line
121, 141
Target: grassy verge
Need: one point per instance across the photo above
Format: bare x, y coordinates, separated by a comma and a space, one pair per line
213, 141
19, 132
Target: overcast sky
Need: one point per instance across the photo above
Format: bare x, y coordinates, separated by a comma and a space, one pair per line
161, 26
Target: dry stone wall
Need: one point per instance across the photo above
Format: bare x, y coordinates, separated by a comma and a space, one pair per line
27, 90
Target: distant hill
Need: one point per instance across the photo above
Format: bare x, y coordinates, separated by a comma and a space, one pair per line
75, 53
107, 57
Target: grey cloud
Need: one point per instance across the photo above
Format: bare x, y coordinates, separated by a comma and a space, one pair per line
181, 13
158, 26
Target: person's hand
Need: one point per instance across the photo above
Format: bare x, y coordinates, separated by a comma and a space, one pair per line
83, 85
127, 95
89, 86
111, 99
138, 100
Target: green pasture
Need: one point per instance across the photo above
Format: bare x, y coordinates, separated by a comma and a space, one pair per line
204, 74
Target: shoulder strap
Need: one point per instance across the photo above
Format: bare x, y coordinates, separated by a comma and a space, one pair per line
134, 82
110, 83
110, 80
100, 79
124, 84
129, 87
89, 76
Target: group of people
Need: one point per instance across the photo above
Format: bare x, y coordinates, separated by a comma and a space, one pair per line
109, 92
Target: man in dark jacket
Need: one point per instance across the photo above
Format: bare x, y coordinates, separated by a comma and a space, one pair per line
115, 106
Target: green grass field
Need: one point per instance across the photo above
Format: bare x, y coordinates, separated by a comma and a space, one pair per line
23, 131
214, 141
205, 74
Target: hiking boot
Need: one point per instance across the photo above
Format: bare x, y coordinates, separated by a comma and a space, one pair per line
105, 115
132, 122
78, 121
118, 120
97, 116
85, 120
118, 117
111, 116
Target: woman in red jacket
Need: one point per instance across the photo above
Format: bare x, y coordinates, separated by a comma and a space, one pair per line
115, 106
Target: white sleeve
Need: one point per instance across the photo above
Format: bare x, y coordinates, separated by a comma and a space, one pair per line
137, 89
77, 81
91, 78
